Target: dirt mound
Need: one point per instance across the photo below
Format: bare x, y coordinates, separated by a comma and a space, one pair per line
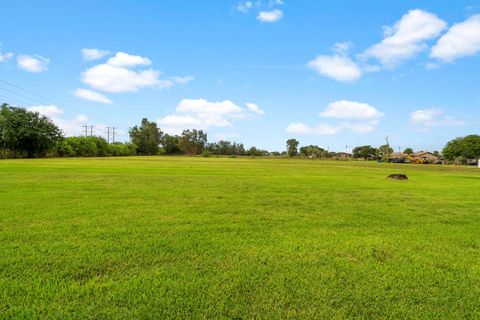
398, 176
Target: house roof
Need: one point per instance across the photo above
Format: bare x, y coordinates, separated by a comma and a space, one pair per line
422, 153
398, 155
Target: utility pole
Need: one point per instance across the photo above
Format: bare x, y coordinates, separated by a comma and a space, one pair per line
388, 147
113, 134
85, 130
91, 131
108, 134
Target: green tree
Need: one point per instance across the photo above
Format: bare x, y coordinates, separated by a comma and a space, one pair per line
383, 152
467, 147
364, 152
408, 151
170, 144
313, 151
254, 151
292, 147
192, 142
147, 137
471, 146
23, 131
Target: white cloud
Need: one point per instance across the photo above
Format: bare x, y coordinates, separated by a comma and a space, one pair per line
406, 38
425, 117
357, 117
254, 108
92, 96
5, 56
122, 59
202, 114
345, 109
340, 68
32, 64
461, 40
70, 127
428, 118
245, 6
119, 74
94, 54
48, 111
270, 16
108, 78
303, 129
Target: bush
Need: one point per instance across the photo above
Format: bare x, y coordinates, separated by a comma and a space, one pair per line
206, 154
64, 149
123, 149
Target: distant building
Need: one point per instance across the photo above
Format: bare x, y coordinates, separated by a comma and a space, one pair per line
399, 157
417, 157
425, 157
343, 155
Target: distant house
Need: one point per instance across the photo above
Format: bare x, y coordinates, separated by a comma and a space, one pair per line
343, 155
425, 157
398, 157
417, 157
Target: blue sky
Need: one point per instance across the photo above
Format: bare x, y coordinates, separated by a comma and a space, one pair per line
331, 73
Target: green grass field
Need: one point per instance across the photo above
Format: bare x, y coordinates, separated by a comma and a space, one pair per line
161, 237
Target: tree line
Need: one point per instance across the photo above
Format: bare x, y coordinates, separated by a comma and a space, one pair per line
459, 150
25, 133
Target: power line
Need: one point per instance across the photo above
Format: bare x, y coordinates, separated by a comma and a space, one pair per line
44, 100
12, 101
22, 95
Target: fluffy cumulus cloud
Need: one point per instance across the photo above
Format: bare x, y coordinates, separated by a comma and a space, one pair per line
122, 59
94, 54
406, 38
91, 96
433, 117
33, 64
462, 39
70, 127
125, 73
112, 79
338, 66
345, 109
357, 117
204, 114
270, 16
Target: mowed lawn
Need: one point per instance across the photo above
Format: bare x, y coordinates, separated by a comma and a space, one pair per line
177, 237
